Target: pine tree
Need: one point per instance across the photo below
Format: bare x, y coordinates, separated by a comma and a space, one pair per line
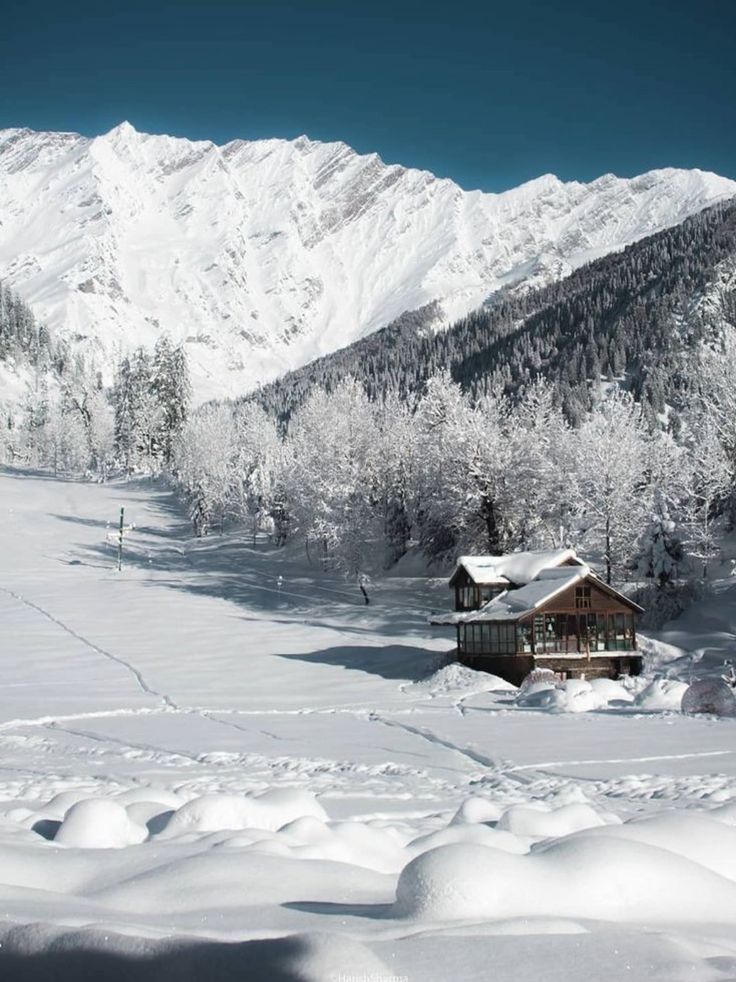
661, 551
171, 390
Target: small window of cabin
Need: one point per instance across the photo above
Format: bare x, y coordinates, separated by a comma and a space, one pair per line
582, 597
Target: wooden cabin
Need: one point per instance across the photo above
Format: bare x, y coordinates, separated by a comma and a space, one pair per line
552, 612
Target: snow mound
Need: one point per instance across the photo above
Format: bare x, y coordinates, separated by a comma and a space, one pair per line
219, 812
99, 823
661, 695
538, 679
62, 802
475, 810
459, 678
610, 691
537, 694
353, 842
694, 835
542, 824
480, 834
713, 696
580, 877
572, 695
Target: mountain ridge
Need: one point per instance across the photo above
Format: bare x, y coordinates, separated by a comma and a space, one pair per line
263, 255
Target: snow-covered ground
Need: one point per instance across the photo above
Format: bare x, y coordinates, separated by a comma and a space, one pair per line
210, 773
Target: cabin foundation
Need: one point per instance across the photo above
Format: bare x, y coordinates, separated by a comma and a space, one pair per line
515, 668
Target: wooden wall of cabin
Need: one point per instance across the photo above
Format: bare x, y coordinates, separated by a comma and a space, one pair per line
585, 617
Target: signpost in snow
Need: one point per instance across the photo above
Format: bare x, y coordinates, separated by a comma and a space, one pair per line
122, 529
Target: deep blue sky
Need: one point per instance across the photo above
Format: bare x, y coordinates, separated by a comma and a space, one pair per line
490, 94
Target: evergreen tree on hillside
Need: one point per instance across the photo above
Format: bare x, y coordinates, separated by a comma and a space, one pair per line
171, 390
662, 551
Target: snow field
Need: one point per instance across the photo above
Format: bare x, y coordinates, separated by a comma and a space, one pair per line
571, 861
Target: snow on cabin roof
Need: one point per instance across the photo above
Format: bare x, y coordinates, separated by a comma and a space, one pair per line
513, 604
518, 568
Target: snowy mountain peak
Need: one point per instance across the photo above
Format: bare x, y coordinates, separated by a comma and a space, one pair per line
262, 255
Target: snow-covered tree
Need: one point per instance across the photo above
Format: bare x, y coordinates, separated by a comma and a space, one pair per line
84, 400
715, 384
396, 461
203, 457
331, 486
441, 477
257, 468
710, 477
171, 390
661, 550
612, 493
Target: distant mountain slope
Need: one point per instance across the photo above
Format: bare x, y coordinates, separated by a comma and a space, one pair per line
265, 255
637, 312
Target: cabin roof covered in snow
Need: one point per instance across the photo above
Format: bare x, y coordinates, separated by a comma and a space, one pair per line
516, 603
517, 568
511, 605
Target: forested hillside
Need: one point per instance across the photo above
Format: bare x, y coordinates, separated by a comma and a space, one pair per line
633, 314
23, 341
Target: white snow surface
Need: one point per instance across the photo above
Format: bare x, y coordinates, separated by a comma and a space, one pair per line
262, 255
205, 777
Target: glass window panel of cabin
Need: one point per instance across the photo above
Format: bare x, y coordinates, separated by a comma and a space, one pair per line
549, 632
524, 632
539, 632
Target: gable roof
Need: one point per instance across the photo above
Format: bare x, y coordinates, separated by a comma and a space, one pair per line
512, 605
513, 569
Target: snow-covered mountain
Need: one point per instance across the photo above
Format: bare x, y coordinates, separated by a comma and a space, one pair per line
266, 254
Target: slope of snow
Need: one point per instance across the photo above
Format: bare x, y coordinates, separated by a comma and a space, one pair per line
206, 775
264, 255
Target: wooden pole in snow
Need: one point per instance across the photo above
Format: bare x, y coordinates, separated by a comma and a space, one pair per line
120, 540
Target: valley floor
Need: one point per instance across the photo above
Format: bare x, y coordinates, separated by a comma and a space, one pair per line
208, 673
